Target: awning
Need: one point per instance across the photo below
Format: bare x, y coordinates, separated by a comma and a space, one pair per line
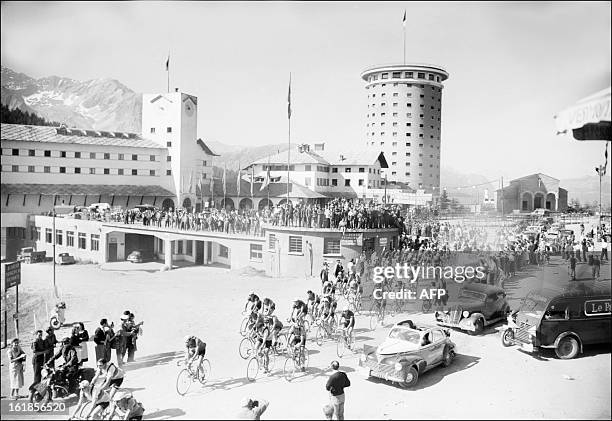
85, 189
588, 119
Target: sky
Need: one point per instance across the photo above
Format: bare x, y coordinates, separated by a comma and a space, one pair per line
512, 67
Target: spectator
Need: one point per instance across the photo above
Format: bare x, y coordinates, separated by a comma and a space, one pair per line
79, 339
102, 338
252, 409
38, 357
16, 359
50, 341
335, 385
596, 267
119, 340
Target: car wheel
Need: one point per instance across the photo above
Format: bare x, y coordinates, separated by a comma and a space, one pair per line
478, 327
567, 348
448, 356
507, 337
412, 376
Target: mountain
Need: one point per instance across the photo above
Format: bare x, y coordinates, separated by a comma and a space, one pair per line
232, 155
100, 104
586, 189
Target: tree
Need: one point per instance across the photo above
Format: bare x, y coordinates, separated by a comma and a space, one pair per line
444, 201
17, 116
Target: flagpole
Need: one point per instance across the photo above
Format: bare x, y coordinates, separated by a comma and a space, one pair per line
168, 70
404, 25
289, 136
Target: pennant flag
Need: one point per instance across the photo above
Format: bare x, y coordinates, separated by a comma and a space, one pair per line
267, 181
605, 168
212, 185
289, 98
404, 20
238, 180
168, 63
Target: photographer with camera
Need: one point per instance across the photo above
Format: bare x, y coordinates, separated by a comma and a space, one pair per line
252, 409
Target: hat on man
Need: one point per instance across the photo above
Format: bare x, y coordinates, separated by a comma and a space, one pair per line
124, 317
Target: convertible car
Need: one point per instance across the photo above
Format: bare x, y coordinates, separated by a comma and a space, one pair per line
407, 353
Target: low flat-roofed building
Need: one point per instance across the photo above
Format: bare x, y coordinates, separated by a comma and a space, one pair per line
535, 191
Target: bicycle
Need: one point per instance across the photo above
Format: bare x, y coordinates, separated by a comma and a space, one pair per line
325, 329
377, 314
297, 361
257, 362
188, 375
343, 342
355, 302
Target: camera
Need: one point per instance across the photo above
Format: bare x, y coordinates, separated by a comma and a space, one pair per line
255, 404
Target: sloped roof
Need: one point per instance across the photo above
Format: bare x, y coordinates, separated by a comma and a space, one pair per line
538, 174
86, 189
296, 157
274, 190
46, 134
205, 148
363, 156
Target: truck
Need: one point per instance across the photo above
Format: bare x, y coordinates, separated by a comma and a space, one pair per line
29, 255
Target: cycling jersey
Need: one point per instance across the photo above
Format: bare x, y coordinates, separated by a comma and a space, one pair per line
200, 346
301, 305
348, 318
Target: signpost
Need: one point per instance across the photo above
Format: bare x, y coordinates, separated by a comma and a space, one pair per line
11, 277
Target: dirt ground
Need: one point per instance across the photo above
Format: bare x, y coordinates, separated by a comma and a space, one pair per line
486, 381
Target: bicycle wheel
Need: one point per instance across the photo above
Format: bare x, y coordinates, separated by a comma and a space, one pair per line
84, 411
306, 359
289, 369
358, 306
243, 326
340, 346
252, 369
245, 349
204, 371
271, 360
281, 344
320, 335
306, 326
183, 382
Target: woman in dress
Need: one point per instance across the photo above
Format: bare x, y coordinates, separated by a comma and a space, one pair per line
17, 358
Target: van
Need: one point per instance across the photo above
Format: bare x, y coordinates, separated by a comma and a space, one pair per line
565, 320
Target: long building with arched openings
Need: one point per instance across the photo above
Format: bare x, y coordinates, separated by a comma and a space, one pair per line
403, 120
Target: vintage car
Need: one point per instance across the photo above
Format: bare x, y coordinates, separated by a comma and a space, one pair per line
140, 256
477, 306
65, 259
407, 353
29, 255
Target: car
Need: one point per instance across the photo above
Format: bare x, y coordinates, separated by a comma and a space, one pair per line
65, 259
478, 305
144, 208
139, 256
29, 255
407, 353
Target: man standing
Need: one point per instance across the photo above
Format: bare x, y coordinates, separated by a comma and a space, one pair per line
38, 357
335, 385
572, 267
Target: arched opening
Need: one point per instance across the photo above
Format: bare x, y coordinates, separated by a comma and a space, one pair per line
227, 204
245, 204
168, 204
538, 201
264, 203
283, 201
526, 202
551, 202
187, 204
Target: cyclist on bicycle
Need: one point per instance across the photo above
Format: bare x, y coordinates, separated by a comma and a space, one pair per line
328, 288
313, 302
298, 341
347, 321
195, 349
264, 341
253, 305
328, 311
270, 319
298, 311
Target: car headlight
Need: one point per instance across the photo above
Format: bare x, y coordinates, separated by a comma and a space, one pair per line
398, 366
465, 313
363, 358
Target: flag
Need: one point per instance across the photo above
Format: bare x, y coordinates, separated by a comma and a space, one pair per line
289, 98
404, 20
199, 187
224, 181
238, 180
168, 63
606, 164
267, 181
252, 179
212, 185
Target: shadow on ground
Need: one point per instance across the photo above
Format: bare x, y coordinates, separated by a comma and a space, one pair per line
152, 360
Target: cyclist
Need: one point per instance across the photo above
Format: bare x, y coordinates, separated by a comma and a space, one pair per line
328, 288
313, 303
298, 311
328, 311
195, 348
270, 319
347, 321
85, 396
112, 378
264, 341
298, 340
253, 303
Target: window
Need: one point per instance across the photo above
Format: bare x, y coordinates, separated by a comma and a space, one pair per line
408, 143
30, 168
408, 174
256, 252
47, 153
31, 152
431, 77
120, 157
295, 244
59, 237
92, 171
48, 235
120, 171
134, 157
334, 170
152, 173
204, 163
106, 155
306, 167
407, 153
168, 172
70, 238
77, 170
421, 76
272, 242
394, 93
384, 76
82, 240
347, 169
179, 247
223, 251
168, 129
331, 246
152, 158
37, 233
409, 75
347, 183
397, 75
47, 169
134, 172
15, 152
334, 182
95, 242
395, 104
361, 169
106, 171
77, 154
152, 129
168, 158
409, 104
189, 251
361, 181
62, 170
92, 155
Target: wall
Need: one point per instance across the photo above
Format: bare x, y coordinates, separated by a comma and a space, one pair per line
77, 226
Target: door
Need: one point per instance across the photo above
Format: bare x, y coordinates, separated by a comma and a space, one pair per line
112, 252
199, 253
209, 253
